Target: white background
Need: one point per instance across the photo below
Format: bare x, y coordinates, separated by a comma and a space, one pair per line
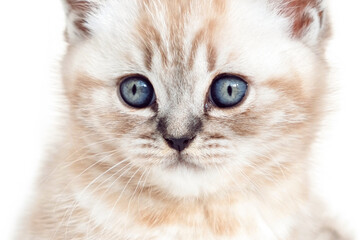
31, 45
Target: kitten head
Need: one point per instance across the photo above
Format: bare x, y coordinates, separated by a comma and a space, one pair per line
198, 97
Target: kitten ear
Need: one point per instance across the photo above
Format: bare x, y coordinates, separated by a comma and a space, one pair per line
76, 12
307, 18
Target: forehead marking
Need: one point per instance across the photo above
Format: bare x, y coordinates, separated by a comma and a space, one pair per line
177, 15
150, 36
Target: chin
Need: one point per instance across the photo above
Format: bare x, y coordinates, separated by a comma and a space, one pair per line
183, 161
182, 177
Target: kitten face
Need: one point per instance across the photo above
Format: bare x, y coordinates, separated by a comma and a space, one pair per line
181, 47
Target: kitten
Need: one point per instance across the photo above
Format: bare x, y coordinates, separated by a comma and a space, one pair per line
188, 119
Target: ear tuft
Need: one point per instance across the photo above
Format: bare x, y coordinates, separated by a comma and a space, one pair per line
306, 18
79, 6
77, 12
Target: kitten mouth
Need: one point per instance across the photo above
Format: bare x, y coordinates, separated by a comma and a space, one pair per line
183, 161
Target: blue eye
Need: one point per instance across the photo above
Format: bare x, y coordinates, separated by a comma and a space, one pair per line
227, 91
137, 91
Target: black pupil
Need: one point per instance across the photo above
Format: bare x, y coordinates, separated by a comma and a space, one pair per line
229, 90
134, 89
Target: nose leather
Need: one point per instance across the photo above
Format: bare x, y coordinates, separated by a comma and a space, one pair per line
179, 144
